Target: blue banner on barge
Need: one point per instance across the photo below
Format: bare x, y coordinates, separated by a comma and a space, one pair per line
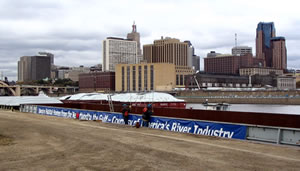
171, 124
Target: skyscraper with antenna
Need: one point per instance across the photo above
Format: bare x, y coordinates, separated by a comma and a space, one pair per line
235, 40
240, 50
135, 36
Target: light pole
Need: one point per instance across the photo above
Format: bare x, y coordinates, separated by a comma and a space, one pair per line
250, 84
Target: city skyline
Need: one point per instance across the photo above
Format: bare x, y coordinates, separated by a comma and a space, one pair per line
73, 30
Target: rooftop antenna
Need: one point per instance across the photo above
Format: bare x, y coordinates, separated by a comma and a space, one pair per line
235, 40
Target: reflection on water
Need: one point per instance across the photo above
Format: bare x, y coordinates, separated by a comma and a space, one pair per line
284, 109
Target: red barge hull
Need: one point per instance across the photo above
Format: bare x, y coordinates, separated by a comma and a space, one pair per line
180, 105
267, 119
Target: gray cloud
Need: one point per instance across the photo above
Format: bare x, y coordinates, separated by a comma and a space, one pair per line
73, 30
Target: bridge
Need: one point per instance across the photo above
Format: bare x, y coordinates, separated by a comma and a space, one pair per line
19, 90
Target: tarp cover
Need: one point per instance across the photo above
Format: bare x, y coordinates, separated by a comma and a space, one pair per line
125, 97
19, 100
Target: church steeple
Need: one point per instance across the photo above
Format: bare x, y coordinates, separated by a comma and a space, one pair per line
135, 36
133, 27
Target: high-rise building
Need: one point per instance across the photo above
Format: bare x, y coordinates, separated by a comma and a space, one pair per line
279, 54
168, 50
118, 51
172, 51
135, 36
241, 50
196, 62
270, 48
227, 64
32, 68
193, 60
48, 55
264, 33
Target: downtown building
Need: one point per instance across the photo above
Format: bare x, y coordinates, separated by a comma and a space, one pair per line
193, 59
32, 68
114, 51
227, 63
135, 36
241, 50
72, 73
264, 69
97, 82
118, 51
145, 77
270, 54
270, 48
172, 51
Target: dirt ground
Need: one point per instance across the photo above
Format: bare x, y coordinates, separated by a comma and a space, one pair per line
37, 142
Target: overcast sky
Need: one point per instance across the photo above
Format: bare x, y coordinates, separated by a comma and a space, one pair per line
73, 30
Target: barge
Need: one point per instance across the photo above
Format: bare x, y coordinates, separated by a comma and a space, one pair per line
157, 99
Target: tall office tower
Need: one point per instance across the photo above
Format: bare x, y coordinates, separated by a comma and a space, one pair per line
135, 36
279, 53
23, 68
190, 53
267, 44
172, 51
118, 51
241, 50
168, 50
192, 59
32, 68
49, 55
264, 33
196, 62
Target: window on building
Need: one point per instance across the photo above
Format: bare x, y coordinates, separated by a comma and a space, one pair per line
177, 79
151, 78
181, 79
133, 79
123, 77
146, 77
128, 78
104, 56
140, 78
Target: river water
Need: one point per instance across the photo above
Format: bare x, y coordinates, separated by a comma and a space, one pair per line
283, 109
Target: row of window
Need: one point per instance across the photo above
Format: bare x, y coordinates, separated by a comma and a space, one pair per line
179, 80
139, 72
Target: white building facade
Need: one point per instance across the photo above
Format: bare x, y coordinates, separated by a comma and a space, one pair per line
118, 51
286, 83
259, 71
71, 72
241, 50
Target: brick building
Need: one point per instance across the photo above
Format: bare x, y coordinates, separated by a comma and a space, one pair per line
228, 64
97, 81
